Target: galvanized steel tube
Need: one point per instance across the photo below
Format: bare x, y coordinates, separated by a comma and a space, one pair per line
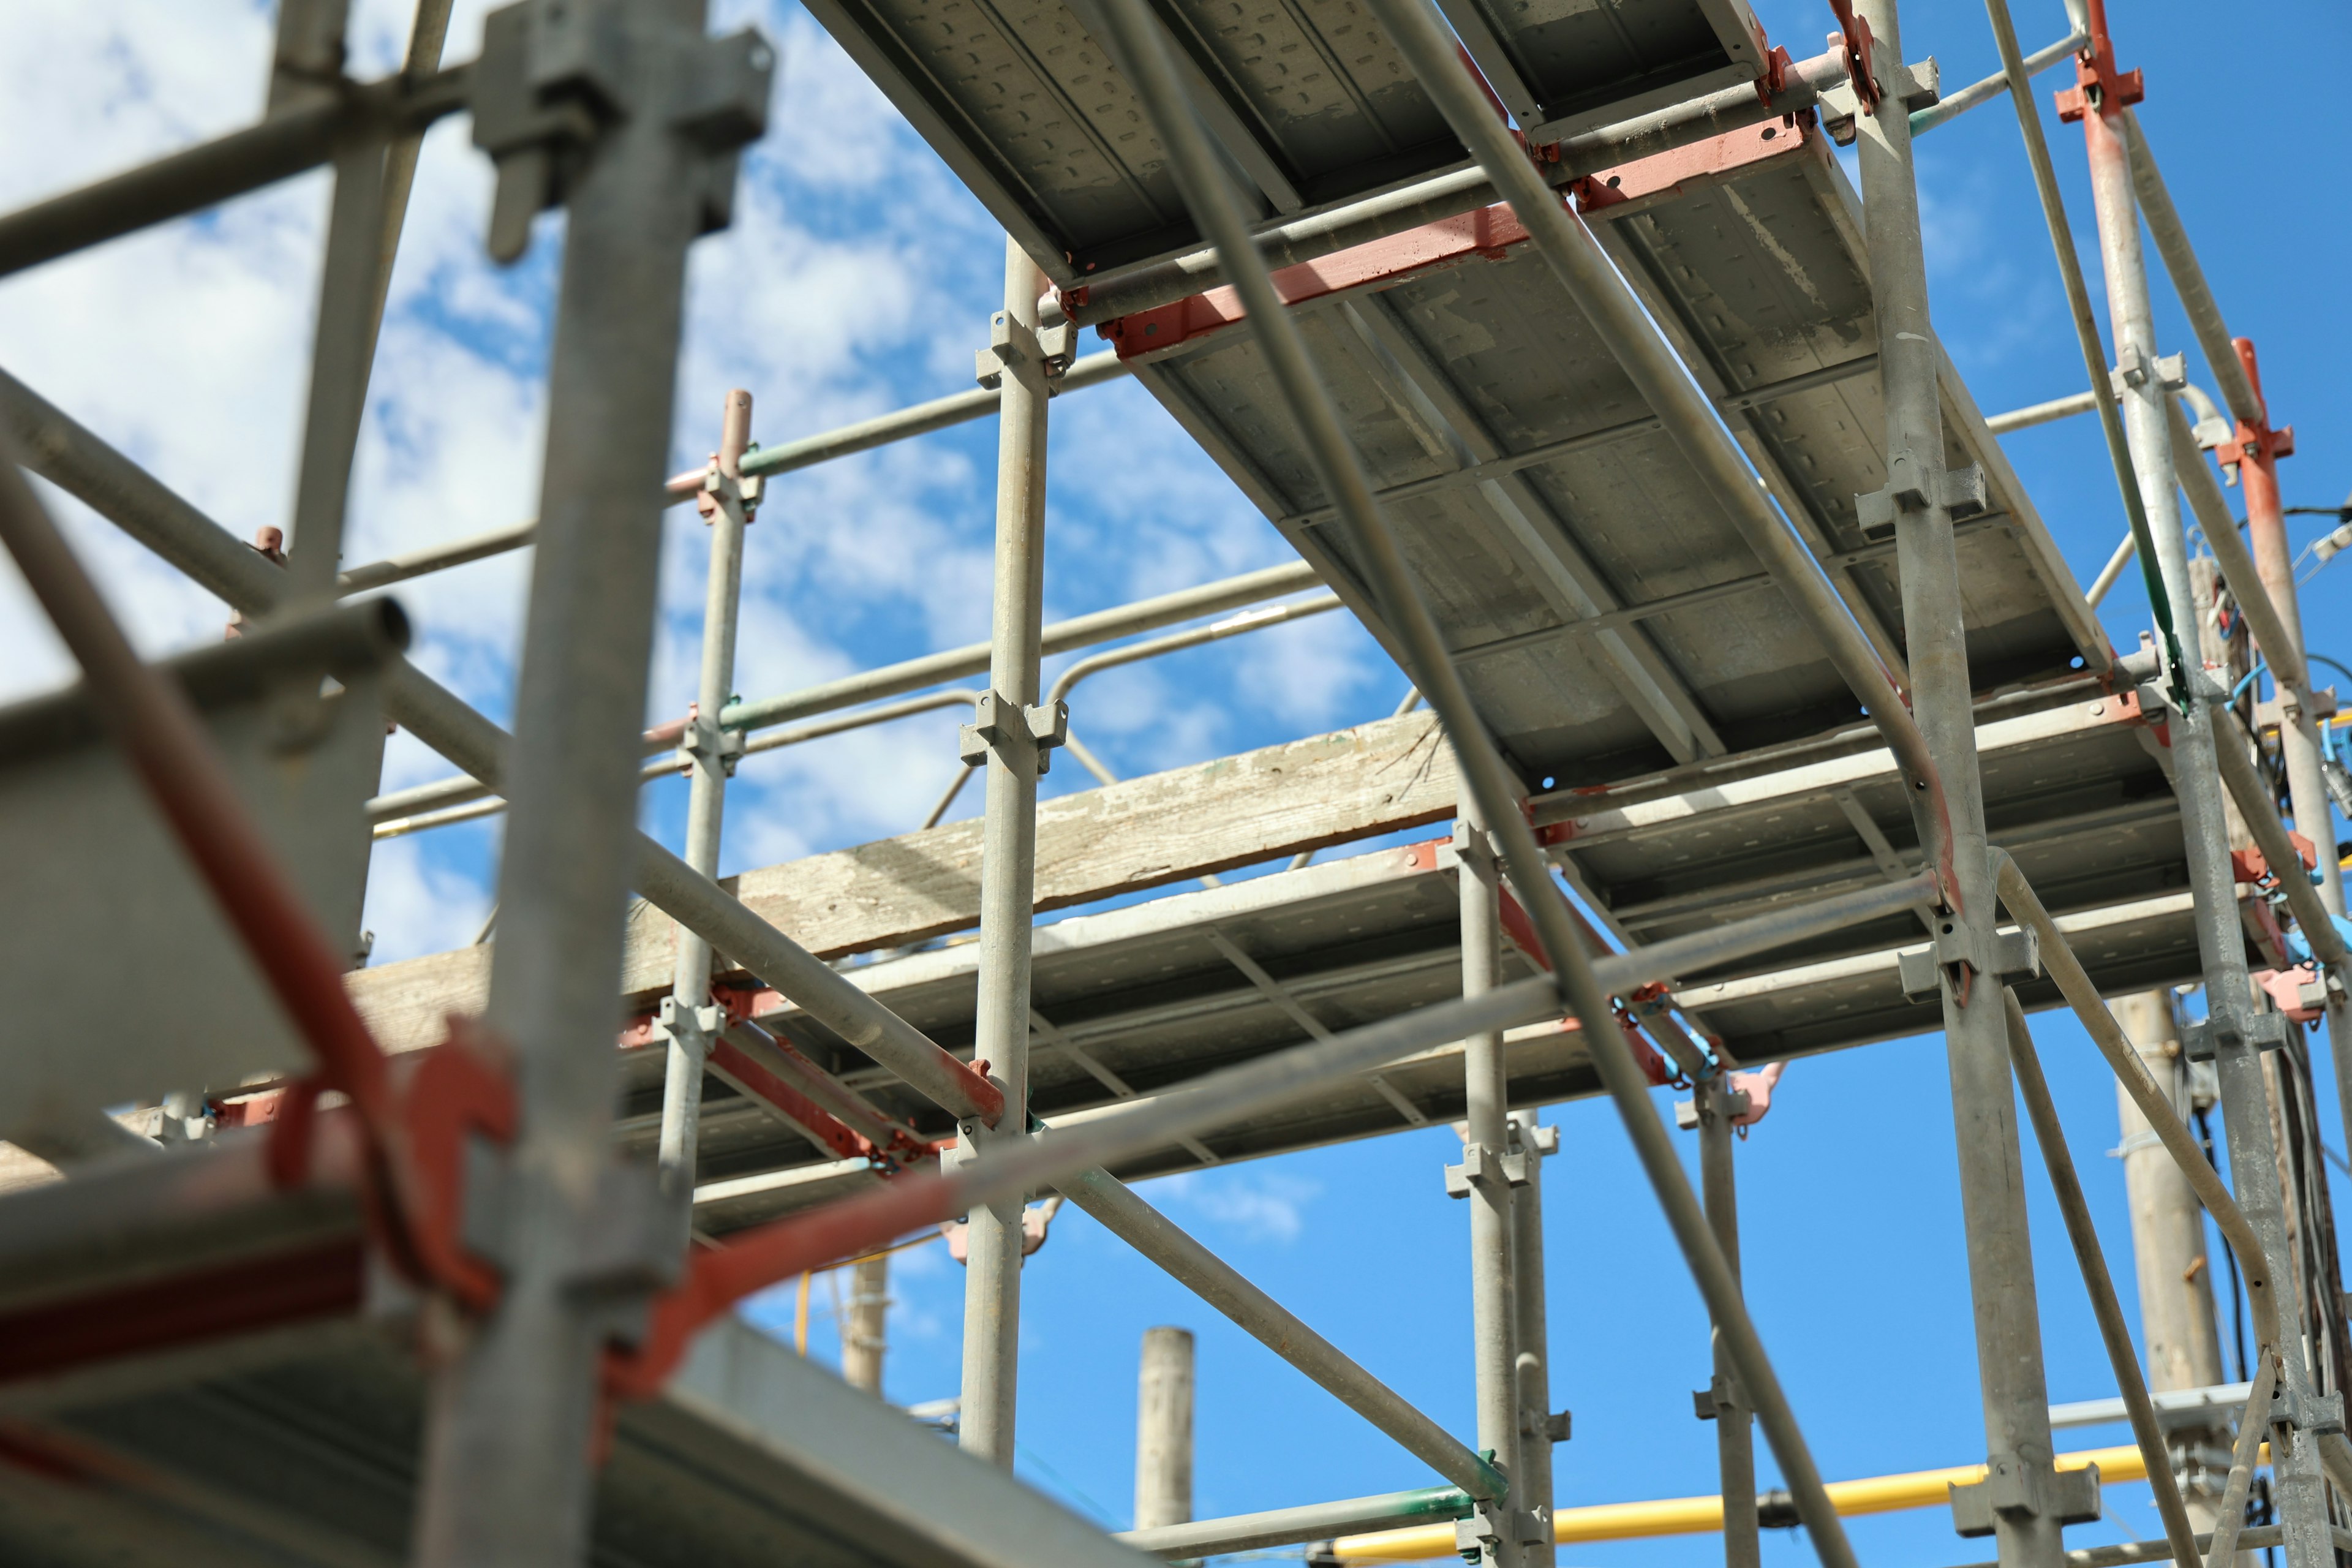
992, 1314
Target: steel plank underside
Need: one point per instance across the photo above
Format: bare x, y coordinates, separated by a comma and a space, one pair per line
1022, 102
1761, 277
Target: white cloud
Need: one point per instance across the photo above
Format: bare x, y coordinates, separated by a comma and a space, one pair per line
1247, 1203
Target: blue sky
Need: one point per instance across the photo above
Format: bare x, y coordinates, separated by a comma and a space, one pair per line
857, 277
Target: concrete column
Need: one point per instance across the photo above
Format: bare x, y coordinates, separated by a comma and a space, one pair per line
2245, 1106
991, 1320
1976, 1029
1486, 1141
2181, 1341
1163, 1430
865, 1338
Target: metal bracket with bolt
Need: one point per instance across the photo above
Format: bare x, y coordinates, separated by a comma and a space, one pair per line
996, 724
2016, 1487
1719, 1400
1011, 346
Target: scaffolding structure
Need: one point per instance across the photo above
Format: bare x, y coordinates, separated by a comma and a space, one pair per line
1765, 715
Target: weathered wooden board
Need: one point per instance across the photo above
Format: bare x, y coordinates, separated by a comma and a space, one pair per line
1145, 833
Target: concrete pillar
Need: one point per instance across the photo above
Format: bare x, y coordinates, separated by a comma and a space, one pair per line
865, 1337
1163, 1430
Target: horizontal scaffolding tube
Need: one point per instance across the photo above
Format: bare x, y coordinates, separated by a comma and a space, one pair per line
1619, 972
1078, 631
434, 558
1704, 1515
900, 425
1217, 1282
1310, 1521
285, 144
1247, 621
1441, 196
1952, 105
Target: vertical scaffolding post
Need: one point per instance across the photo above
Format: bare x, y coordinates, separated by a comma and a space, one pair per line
1539, 1427
1163, 1429
865, 1340
1920, 499
1485, 1178
510, 1428
1714, 1104
342, 350
2180, 1342
1009, 734
687, 1016
2234, 1027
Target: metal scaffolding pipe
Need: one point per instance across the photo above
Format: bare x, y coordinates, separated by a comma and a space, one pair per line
1007, 723
1486, 1182
1534, 1141
285, 144
1078, 631
2012, 1385
1950, 106
1128, 1217
1142, 52
2086, 326
434, 558
2187, 277
706, 803
1716, 1104
505, 1476
1247, 621
2122, 1357
1310, 1521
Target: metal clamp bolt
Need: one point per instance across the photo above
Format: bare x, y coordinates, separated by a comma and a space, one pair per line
693, 1029
2317, 1414
996, 724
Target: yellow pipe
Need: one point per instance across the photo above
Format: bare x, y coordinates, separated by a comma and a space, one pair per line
1698, 1515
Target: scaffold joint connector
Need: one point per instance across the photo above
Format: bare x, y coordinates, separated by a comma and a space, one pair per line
1915, 484
996, 724
2232, 1029
2019, 1487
